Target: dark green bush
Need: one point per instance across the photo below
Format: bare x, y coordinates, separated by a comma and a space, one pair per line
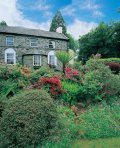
28, 120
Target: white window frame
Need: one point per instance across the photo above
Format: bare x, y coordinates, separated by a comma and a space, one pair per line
10, 51
34, 60
52, 43
7, 41
32, 42
52, 53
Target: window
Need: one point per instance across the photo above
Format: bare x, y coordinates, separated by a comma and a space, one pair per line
52, 59
9, 41
36, 60
51, 44
10, 56
33, 42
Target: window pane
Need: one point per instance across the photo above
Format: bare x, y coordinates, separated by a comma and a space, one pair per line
33, 42
36, 61
10, 58
51, 44
9, 40
52, 60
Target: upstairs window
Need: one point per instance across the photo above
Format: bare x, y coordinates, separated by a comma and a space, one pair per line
36, 60
10, 56
34, 42
51, 44
9, 41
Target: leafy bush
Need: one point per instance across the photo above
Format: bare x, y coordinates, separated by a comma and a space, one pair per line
28, 120
99, 83
101, 122
51, 84
71, 94
113, 66
116, 60
71, 74
11, 79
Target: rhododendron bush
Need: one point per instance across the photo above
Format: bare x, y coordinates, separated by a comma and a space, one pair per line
71, 73
51, 84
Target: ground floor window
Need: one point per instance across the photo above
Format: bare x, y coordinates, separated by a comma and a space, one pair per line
52, 59
10, 56
36, 60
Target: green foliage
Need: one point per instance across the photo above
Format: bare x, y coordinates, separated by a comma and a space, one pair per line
101, 122
28, 120
64, 57
73, 44
116, 60
99, 83
3, 23
36, 74
58, 21
104, 40
71, 93
11, 80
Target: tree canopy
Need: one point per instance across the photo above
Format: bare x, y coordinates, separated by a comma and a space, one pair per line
3, 23
105, 39
73, 43
58, 21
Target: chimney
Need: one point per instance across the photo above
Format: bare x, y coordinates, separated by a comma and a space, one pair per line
59, 30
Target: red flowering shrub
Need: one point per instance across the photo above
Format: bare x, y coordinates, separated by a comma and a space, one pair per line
71, 73
52, 84
113, 66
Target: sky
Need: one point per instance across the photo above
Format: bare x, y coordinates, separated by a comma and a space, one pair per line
80, 15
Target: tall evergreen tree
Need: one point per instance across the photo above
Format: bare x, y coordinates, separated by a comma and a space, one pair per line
58, 21
3, 23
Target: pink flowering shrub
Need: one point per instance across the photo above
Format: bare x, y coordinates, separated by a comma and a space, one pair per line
71, 74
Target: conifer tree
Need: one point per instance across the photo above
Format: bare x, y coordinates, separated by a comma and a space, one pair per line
58, 21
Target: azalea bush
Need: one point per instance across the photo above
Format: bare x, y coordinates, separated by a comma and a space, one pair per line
51, 84
71, 74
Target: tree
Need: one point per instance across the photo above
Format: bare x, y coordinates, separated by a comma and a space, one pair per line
73, 44
64, 57
99, 40
58, 21
3, 23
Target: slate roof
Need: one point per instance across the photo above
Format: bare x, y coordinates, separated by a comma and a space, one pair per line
32, 32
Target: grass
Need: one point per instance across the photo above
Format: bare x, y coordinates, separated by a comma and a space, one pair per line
99, 143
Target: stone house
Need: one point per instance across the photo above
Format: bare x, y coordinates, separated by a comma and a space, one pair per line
30, 47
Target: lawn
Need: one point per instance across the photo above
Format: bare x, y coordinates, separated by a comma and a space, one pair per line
99, 143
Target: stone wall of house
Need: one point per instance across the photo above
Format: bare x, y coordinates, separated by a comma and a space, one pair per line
22, 47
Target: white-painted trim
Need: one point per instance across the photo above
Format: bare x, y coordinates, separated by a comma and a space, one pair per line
10, 50
33, 60
52, 53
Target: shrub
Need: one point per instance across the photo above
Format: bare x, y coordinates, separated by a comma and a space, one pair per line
11, 79
51, 84
28, 120
99, 83
113, 66
101, 122
71, 92
116, 60
71, 74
